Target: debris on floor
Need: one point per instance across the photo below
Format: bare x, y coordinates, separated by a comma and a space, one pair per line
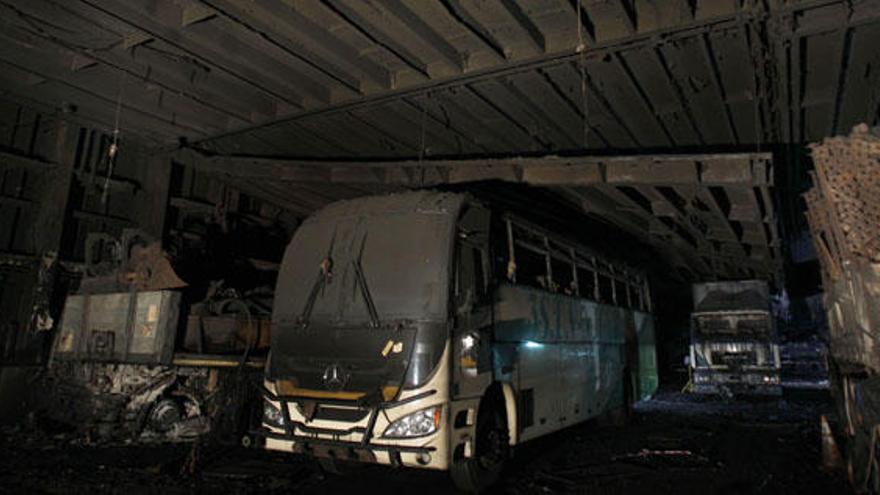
675, 444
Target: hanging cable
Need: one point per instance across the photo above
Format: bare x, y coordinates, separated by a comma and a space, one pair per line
114, 145
581, 50
422, 141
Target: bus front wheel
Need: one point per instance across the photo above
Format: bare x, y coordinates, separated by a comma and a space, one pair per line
492, 450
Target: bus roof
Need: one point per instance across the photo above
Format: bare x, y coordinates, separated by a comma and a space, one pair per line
422, 201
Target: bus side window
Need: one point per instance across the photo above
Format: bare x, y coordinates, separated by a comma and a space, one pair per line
531, 267
563, 280
620, 287
586, 283
605, 290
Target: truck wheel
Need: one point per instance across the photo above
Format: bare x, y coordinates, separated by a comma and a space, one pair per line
492, 451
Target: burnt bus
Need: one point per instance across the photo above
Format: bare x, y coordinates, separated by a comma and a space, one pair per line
733, 339
424, 330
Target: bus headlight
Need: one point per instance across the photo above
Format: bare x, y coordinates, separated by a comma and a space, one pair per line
417, 424
272, 415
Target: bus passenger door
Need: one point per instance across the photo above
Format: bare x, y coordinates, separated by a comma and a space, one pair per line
472, 334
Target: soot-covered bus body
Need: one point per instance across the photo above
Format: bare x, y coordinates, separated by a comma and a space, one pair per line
423, 330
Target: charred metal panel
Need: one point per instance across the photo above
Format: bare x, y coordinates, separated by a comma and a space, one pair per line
121, 327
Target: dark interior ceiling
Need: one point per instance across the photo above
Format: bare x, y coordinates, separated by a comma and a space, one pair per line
453, 79
400, 78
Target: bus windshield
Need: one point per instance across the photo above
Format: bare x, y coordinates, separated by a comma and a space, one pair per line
358, 269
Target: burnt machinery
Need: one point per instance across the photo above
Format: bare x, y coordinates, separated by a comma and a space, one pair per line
733, 339
133, 360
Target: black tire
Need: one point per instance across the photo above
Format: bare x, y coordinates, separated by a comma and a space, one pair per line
622, 415
492, 451
330, 466
340, 467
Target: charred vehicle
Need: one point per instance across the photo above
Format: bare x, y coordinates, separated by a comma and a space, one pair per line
733, 339
843, 208
133, 362
424, 330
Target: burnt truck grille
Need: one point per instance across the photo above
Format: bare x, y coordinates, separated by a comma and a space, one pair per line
735, 359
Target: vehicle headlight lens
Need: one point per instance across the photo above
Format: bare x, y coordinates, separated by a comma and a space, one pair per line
417, 424
272, 415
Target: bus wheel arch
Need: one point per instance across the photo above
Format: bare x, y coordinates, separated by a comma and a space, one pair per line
491, 445
510, 408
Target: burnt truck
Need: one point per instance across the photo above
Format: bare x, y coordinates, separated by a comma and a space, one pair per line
843, 208
733, 340
134, 362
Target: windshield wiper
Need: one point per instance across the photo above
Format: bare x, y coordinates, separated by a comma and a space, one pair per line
324, 272
313, 295
362, 284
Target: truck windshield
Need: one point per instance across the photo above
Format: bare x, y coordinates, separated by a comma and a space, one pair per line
739, 326
346, 270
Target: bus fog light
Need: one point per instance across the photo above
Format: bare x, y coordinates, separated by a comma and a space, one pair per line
417, 424
272, 415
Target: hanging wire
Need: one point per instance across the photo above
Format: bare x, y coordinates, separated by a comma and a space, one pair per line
422, 134
422, 140
114, 145
581, 50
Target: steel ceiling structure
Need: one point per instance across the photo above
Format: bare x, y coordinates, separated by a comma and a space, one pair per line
455, 79
400, 78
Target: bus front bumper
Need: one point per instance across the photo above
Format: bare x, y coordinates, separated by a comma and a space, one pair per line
394, 455
754, 381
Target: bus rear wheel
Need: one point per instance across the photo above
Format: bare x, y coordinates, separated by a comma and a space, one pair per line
492, 450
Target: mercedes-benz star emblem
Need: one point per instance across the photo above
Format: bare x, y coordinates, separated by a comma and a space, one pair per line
335, 377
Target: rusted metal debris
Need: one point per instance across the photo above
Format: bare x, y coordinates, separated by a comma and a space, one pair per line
133, 262
844, 216
844, 204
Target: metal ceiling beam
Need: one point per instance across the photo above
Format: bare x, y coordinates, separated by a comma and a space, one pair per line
10, 161
845, 39
136, 18
679, 93
737, 170
427, 32
377, 35
137, 121
643, 98
526, 24
136, 63
283, 25
463, 17
680, 243
133, 94
718, 85
663, 35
